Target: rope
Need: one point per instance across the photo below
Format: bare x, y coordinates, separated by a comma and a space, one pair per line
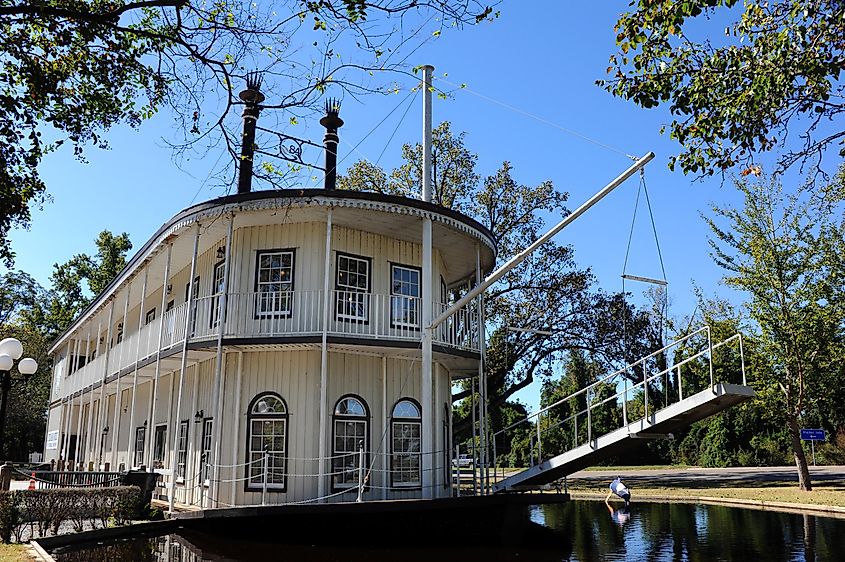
399, 124
379, 124
642, 188
540, 119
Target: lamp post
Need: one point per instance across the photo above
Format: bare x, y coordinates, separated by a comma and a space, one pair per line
11, 350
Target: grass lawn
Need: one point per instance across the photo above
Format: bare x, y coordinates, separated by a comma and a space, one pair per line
14, 553
772, 492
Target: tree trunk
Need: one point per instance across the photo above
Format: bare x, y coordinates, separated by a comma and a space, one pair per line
800, 460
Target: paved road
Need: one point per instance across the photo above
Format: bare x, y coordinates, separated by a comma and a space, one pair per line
713, 477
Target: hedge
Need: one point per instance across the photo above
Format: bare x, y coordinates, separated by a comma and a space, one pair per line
44, 511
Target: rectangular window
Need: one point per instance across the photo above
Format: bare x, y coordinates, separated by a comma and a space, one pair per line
193, 307
274, 282
405, 296
140, 439
150, 316
169, 321
267, 434
159, 445
352, 286
349, 435
406, 453
182, 449
216, 292
207, 425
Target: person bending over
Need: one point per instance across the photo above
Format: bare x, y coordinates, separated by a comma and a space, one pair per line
621, 490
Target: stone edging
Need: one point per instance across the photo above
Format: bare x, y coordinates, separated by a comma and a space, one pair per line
830, 510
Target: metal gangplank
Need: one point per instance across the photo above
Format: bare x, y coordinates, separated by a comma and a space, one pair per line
695, 360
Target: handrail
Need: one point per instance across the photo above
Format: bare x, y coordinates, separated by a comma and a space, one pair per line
536, 440
260, 314
606, 378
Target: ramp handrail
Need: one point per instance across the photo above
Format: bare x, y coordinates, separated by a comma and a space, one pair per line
708, 351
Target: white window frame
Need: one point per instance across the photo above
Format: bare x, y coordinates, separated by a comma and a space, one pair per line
217, 283
346, 450
281, 301
278, 457
159, 447
182, 450
400, 422
140, 439
405, 306
205, 445
352, 301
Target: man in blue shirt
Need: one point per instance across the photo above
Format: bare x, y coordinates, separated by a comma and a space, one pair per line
620, 489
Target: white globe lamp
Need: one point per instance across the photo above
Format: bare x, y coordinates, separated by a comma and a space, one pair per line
11, 347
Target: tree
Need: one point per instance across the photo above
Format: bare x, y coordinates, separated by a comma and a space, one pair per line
26, 401
68, 296
73, 69
36, 317
550, 301
774, 249
774, 75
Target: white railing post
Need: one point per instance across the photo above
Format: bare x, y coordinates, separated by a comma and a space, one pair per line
589, 422
456, 469
680, 386
742, 361
539, 443
625, 402
710, 356
645, 390
265, 462
360, 473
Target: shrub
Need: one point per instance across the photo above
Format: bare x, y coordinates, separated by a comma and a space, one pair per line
45, 510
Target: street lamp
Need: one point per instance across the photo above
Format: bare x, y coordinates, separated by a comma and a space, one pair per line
11, 350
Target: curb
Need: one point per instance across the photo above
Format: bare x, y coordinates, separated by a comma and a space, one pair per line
829, 510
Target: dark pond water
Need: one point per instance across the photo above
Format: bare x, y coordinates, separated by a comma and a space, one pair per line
577, 531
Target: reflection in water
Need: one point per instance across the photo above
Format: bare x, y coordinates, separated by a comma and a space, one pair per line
619, 516
651, 532
686, 532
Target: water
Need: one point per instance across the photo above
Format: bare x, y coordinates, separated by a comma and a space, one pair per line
575, 532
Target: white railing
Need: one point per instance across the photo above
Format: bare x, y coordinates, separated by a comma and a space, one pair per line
695, 351
284, 313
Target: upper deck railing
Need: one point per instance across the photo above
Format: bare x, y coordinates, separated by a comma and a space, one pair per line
352, 314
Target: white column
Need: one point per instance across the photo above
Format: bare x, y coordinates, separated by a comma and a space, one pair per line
148, 452
217, 394
87, 448
118, 397
385, 464
482, 380
105, 358
77, 451
183, 367
324, 363
427, 361
236, 429
130, 443
427, 300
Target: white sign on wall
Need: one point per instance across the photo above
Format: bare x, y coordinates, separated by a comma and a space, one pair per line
52, 440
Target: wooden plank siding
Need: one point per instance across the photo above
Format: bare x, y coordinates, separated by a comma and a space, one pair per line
290, 370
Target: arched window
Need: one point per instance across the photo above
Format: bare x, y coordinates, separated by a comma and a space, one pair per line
267, 430
406, 436
351, 430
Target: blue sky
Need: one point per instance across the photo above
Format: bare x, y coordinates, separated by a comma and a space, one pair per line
539, 59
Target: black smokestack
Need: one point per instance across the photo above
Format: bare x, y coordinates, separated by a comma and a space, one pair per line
252, 97
332, 122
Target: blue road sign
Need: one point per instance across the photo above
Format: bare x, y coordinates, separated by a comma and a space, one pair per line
813, 435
